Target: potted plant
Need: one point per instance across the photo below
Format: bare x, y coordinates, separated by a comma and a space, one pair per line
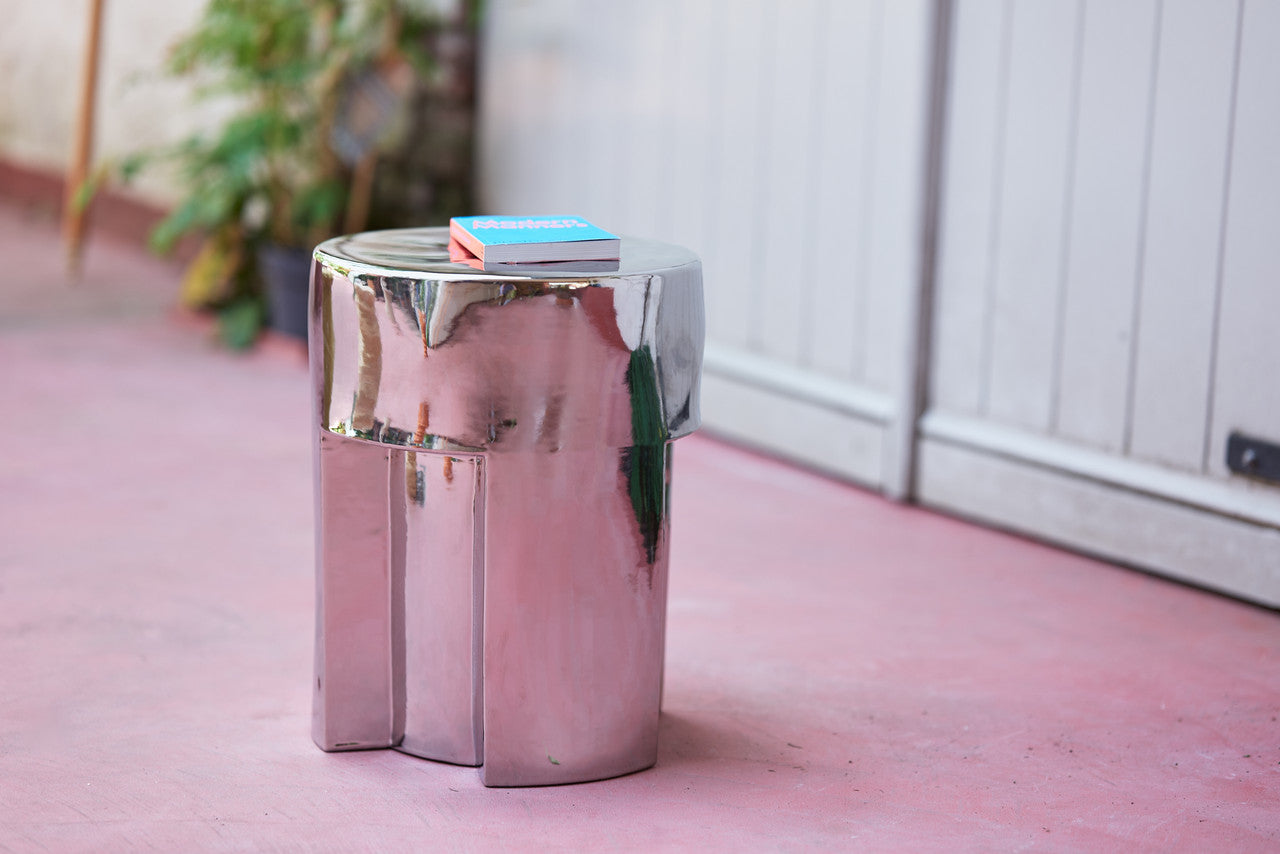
316, 86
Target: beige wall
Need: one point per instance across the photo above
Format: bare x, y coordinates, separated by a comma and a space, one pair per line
41, 57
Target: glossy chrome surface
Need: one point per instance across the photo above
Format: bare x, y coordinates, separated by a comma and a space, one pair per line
493, 464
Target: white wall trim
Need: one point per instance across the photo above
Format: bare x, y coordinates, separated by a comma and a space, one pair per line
1256, 503
901, 443
800, 384
1172, 539
839, 443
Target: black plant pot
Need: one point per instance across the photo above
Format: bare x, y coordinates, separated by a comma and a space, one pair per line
286, 274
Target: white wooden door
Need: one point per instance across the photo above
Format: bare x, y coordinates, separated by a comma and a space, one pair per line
1107, 281
782, 140
1105, 207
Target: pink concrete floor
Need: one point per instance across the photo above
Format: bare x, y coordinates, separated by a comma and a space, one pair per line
843, 673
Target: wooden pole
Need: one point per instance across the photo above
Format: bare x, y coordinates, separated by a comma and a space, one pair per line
78, 170
361, 193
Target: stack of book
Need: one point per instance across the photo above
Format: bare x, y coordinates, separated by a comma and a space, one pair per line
530, 240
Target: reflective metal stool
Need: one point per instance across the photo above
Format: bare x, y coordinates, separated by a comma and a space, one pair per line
492, 471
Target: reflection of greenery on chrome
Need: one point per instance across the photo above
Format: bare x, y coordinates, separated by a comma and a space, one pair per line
644, 461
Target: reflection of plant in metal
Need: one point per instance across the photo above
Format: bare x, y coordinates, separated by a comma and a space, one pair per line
414, 478
644, 462
369, 375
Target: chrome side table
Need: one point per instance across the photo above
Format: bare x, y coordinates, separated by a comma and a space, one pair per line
493, 464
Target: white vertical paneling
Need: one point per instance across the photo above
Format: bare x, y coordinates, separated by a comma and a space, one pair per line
786, 207
1118, 214
528, 80
562, 189
732, 283
531, 82
1107, 210
1247, 370
495, 102
979, 51
1194, 80
643, 121
841, 203
667, 113
554, 98
1103, 236
897, 188
606, 39
584, 185
928, 32
691, 102
1033, 202
979, 45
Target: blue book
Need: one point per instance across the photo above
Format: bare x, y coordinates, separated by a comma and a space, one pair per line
526, 239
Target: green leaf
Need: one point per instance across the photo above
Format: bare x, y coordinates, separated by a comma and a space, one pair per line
133, 164
182, 220
240, 322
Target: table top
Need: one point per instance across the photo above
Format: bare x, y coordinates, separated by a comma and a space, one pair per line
418, 253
